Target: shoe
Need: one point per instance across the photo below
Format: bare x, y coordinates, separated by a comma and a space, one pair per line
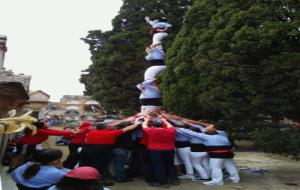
232, 181
10, 170
201, 179
187, 176
212, 183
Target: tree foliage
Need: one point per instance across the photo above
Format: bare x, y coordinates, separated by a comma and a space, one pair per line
118, 55
236, 60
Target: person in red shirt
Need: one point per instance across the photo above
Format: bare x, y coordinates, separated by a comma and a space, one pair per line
161, 144
97, 151
76, 142
26, 145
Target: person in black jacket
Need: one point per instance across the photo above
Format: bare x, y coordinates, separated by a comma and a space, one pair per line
120, 153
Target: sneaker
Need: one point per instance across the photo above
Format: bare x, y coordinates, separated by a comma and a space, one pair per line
187, 176
201, 179
232, 181
212, 183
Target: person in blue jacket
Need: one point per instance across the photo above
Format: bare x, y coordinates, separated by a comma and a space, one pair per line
159, 30
41, 174
220, 153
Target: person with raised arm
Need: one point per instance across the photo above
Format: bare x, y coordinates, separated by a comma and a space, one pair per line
161, 144
76, 143
182, 151
159, 30
220, 153
27, 144
97, 151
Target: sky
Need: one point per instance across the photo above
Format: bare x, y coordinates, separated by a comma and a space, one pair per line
44, 40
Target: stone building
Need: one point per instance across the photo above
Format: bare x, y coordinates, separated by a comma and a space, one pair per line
13, 92
13, 88
80, 103
38, 100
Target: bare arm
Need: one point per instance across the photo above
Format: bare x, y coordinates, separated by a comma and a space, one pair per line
131, 127
146, 122
169, 125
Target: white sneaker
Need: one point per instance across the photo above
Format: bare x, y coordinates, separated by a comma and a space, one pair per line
212, 183
235, 181
187, 176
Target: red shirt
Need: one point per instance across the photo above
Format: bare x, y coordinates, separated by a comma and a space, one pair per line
42, 135
160, 138
103, 137
144, 140
80, 137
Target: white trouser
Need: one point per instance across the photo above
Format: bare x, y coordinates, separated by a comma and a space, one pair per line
216, 166
184, 155
153, 71
177, 160
157, 39
197, 158
149, 109
205, 164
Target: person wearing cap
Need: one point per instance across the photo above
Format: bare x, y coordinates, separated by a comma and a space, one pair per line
97, 151
220, 154
41, 174
161, 144
76, 143
159, 30
81, 178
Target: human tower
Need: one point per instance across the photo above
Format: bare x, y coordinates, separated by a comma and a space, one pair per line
150, 97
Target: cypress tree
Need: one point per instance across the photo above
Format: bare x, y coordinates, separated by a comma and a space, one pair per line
118, 55
236, 60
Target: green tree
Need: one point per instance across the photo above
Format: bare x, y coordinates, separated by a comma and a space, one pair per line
118, 55
236, 60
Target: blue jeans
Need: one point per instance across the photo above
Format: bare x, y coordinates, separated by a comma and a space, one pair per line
163, 163
120, 156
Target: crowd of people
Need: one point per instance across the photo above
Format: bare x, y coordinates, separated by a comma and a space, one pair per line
153, 144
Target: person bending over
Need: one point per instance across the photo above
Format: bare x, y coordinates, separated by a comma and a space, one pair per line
45, 171
81, 178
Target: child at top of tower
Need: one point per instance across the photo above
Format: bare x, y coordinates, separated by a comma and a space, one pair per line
160, 27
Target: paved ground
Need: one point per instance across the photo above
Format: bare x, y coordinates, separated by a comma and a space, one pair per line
283, 174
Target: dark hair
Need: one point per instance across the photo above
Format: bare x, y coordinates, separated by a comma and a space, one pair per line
156, 124
39, 124
197, 130
101, 126
67, 183
42, 158
163, 19
122, 125
160, 18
